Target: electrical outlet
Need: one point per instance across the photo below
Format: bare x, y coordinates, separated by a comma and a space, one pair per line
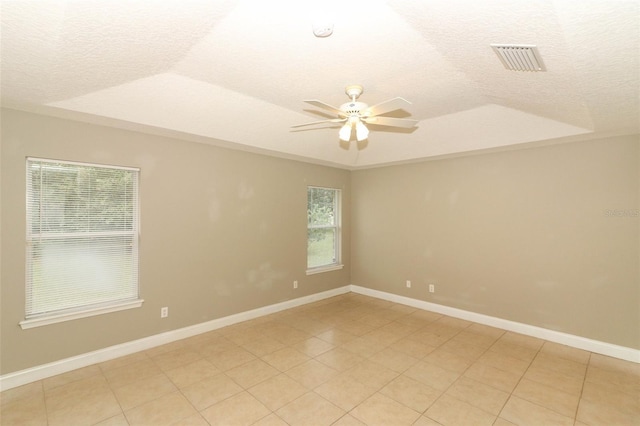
432, 288
295, 284
164, 312
408, 284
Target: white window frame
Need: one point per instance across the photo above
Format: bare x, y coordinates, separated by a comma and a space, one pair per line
337, 227
37, 319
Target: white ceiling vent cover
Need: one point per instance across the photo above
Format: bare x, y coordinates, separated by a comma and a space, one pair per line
519, 57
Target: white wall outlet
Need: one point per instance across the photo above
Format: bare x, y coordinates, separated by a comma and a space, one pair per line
295, 284
408, 284
164, 312
432, 288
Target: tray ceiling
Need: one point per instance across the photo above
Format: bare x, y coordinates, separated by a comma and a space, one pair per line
235, 73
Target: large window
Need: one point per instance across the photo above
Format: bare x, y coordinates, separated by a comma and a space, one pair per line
323, 229
82, 240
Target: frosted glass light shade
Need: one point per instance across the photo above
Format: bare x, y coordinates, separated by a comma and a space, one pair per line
345, 132
361, 131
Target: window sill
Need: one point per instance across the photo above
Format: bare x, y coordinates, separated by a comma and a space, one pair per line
69, 316
322, 269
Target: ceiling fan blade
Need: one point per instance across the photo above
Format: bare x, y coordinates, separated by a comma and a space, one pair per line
326, 107
334, 120
390, 121
386, 106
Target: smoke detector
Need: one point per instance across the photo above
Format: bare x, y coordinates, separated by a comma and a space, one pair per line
322, 29
519, 57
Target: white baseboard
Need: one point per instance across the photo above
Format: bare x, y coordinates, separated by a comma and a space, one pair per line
596, 346
19, 378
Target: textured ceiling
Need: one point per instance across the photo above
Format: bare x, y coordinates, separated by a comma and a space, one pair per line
235, 72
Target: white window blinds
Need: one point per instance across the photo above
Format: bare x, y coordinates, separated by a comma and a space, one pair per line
82, 236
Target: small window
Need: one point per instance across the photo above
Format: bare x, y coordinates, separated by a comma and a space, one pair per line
82, 238
323, 229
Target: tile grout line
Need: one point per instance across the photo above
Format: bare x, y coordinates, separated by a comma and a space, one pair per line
456, 380
420, 414
44, 398
520, 380
466, 369
584, 380
510, 393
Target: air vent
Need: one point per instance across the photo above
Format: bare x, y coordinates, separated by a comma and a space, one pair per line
519, 57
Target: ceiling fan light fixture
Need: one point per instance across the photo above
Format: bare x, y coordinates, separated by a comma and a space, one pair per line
345, 132
362, 132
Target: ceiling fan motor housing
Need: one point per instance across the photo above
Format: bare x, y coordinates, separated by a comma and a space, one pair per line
353, 107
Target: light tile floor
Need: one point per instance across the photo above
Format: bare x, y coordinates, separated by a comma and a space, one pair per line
348, 360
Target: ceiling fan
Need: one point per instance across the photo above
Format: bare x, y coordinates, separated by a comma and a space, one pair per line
356, 114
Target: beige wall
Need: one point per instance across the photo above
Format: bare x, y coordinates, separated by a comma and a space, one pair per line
222, 232
521, 235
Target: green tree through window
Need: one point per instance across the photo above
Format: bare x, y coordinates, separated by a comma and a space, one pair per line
323, 226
